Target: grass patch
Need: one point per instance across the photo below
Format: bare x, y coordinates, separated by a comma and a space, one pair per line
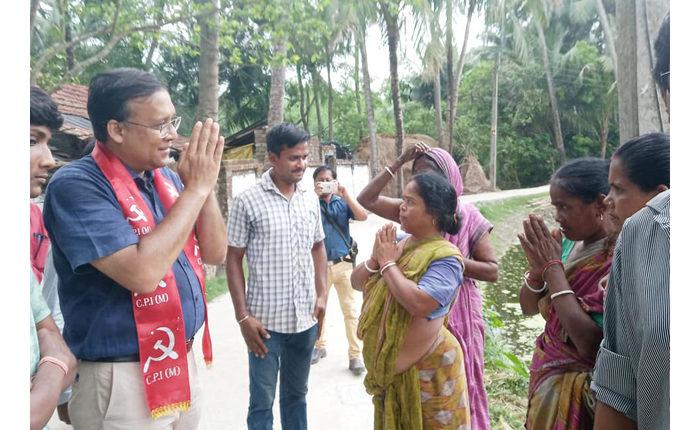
497, 211
505, 363
215, 287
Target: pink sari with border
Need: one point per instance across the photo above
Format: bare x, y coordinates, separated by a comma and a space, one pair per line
466, 321
559, 394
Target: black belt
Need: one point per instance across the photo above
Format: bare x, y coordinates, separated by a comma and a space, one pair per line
132, 357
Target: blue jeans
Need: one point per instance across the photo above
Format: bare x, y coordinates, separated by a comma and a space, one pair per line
290, 355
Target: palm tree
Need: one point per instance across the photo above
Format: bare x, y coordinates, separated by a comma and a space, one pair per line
454, 75
208, 100
541, 12
338, 20
493, 165
275, 113
580, 10
391, 24
360, 14
433, 54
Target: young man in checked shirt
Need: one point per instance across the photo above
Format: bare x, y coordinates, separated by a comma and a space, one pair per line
276, 224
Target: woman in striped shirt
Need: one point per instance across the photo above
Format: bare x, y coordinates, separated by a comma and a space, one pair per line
631, 379
568, 295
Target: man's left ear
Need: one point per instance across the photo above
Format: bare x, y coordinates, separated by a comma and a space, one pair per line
115, 131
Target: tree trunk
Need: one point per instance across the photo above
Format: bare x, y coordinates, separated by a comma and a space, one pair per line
33, 8
493, 165
356, 78
208, 100
556, 122
460, 68
308, 106
437, 103
330, 94
638, 100
275, 114
450, 74
604, 131
317, 104
148, 64
358, 98
70, 56
607, 31
371, 124
392, 32
302, 101
437, 84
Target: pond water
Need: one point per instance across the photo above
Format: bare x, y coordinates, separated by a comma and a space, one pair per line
518, 331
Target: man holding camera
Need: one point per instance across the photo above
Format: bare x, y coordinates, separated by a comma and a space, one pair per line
337, 208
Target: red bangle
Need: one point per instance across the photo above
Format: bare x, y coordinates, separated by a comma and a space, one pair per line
530, 281
550, 264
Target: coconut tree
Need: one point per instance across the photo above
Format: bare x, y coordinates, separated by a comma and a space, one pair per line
541, 13
500, 12
390, 16
208, 100
581, 10
428, 14
454, 74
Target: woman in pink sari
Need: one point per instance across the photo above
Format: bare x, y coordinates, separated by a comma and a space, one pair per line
465, 320
566, 289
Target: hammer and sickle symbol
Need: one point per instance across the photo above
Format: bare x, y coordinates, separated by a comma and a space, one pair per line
140, 216
167, 351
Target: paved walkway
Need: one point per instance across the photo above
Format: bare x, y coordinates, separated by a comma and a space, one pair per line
336, 400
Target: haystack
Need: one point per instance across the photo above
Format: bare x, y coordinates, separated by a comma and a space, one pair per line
475, 181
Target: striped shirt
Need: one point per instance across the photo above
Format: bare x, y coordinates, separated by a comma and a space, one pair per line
278, 235
632, 368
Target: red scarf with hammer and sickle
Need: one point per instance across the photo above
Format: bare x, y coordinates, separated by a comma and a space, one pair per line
158, 316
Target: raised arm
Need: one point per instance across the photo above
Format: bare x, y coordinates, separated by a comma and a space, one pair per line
358, 211
387, 207
211, 231
139, 267
577, 323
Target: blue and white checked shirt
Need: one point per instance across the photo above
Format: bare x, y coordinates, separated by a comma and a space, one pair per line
278, 235
632, 369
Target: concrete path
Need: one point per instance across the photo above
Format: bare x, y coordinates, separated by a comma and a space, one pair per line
337, 399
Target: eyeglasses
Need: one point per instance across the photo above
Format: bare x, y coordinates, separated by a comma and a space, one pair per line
163, 128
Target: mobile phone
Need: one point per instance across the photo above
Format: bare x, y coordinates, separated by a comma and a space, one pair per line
329, 187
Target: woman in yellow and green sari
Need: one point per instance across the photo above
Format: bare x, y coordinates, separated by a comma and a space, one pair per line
415, 366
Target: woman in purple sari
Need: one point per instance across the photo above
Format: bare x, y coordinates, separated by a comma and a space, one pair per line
465, 320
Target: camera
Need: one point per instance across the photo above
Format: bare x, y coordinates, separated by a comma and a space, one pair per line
329, 187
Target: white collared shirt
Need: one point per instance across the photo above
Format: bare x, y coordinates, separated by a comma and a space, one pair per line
278, 235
